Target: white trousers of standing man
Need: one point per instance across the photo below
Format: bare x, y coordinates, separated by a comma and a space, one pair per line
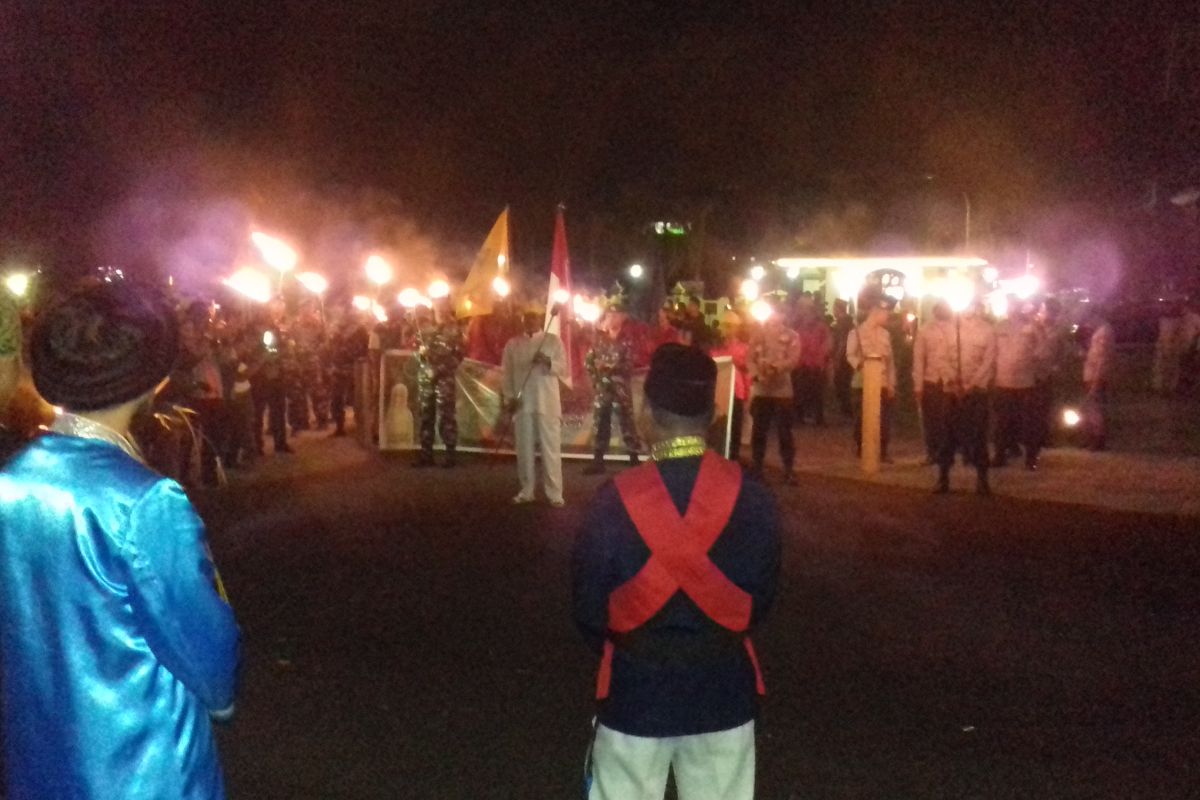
707, 766
547, 431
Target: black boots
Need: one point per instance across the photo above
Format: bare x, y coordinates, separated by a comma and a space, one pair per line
596, 467
981, 485
943, 482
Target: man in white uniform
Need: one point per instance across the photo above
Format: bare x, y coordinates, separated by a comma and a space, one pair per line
533, 363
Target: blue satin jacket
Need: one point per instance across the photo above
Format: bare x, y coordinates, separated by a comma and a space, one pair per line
116, 644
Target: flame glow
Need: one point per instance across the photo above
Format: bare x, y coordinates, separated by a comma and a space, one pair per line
380, 312
761, 311
361, 302
277, 253
378, 270
250, 283
410, 298
750, 289
758, 272
18, 284
561, 297
1071, 418
501, 286
314, 282
439, 288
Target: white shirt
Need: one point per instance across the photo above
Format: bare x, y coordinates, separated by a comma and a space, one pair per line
974, 339
1017, 348
540, 393
931, 354
876, 343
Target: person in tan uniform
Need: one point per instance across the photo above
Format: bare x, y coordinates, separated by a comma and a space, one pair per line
774, 353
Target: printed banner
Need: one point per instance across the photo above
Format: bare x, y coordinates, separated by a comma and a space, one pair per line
482, 427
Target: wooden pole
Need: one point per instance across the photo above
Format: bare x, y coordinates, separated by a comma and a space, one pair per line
871, 410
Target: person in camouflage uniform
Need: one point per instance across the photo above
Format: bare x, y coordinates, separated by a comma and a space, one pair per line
610, 367
307, 381
439, 352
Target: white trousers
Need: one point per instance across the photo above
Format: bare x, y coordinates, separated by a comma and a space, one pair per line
547, 431
707, 766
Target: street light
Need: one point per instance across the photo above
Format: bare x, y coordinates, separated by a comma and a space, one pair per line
636, 271
378, 270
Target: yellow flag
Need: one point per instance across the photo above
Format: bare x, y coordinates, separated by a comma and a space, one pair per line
479, 291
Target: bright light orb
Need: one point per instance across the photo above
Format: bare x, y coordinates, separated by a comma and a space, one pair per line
501, 260
636, 271
793, 273
380, 312
250, 283
1026, 286
438, 289
998, 303
378, 270
409, 298
750, 289
361, 302
761, 310
17, 284
959, 293
501, 286
275, 252
991, 274
314, 282
561, 297
758, 272
1071, 418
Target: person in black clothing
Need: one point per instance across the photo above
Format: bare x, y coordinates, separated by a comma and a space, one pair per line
678, 679
348, 345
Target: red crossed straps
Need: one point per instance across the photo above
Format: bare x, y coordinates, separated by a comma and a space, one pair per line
678, 554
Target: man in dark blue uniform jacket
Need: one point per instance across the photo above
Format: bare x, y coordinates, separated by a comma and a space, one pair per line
677, 561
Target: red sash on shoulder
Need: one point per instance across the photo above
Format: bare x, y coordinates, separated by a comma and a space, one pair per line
678, 555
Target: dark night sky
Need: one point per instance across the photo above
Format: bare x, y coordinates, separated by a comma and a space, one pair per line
442, 112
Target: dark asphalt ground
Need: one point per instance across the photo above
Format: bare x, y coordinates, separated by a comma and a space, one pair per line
407, 635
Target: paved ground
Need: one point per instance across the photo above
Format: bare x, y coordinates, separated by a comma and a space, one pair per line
407, 636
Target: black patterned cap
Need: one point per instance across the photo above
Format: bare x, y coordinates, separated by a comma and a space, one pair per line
103, 346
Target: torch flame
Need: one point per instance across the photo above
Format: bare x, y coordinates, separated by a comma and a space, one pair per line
314, 282
277, 253
378, 270
250, 283
501, 286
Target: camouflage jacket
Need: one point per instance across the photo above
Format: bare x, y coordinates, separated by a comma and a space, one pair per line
439, 351
610, 359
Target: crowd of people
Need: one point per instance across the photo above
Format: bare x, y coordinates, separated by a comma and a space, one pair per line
988, 388
117, 663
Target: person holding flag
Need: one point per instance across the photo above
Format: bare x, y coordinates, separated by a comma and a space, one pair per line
533, 364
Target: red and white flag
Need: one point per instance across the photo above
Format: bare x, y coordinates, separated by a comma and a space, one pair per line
560, 293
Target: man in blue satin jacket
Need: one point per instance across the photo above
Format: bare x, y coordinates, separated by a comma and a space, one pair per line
117, 645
